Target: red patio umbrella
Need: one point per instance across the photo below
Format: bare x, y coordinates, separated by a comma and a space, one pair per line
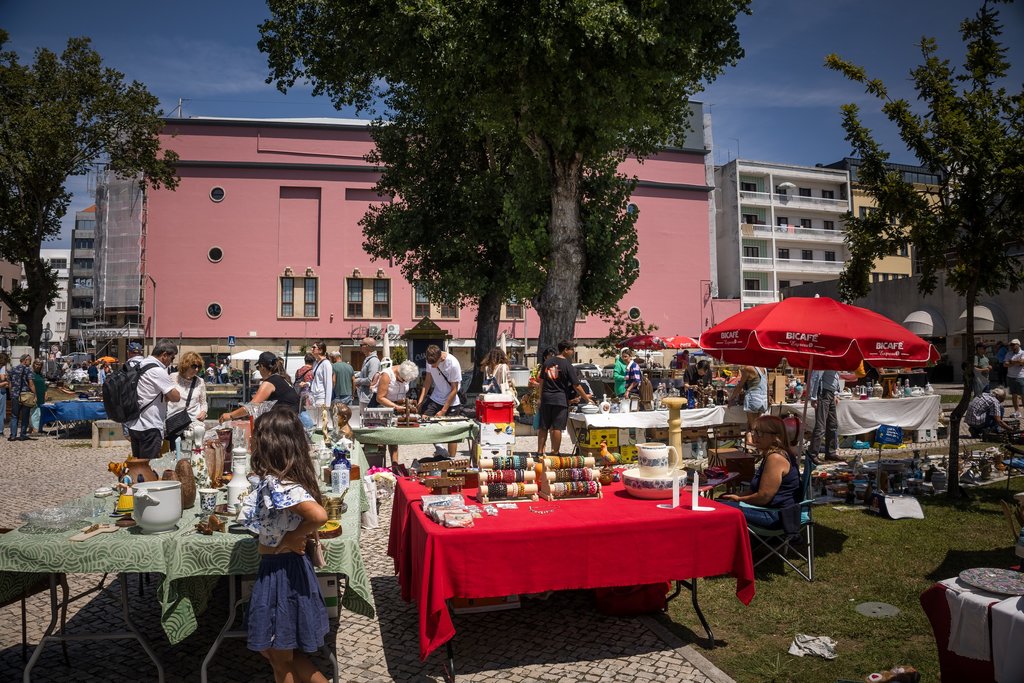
817, 333
644, 342
680, 341
814, 333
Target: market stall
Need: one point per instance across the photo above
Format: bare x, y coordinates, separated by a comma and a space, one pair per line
67, 413
615, 540
859, 417
190, 562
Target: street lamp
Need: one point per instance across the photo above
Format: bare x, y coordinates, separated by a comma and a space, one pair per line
150, 278
45, 338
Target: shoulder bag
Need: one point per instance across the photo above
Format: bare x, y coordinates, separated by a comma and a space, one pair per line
177, 424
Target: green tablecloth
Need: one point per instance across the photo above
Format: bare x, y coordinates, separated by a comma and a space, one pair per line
441, 432
191, 563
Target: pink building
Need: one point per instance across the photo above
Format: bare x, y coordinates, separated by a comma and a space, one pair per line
261, 241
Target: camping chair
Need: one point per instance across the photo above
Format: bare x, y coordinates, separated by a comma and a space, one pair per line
777, 542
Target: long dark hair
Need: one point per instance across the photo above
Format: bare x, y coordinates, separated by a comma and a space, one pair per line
493, 359
279, 448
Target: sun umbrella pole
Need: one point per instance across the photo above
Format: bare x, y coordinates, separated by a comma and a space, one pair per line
807, 401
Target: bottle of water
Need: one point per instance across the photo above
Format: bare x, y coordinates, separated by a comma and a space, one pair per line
689, 398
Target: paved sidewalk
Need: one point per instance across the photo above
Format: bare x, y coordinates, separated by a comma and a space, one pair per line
558, 639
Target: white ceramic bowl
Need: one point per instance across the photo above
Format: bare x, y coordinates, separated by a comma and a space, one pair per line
157, 505
650, 488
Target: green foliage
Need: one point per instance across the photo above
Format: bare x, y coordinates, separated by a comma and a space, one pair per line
620, 328
971, 132
59, 116
398, 355
567, 88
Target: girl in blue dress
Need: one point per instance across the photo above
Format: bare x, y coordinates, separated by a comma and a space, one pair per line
287, 616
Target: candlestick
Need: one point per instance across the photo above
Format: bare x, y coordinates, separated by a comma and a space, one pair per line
693, 491
675, 491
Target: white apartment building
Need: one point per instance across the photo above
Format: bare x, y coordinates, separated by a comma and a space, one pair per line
777, 226
57, 315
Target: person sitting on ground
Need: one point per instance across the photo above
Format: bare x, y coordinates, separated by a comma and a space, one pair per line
985, 413
776, 483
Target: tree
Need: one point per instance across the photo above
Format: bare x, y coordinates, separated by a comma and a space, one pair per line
620, 328
58, 118
578, 83
972, 134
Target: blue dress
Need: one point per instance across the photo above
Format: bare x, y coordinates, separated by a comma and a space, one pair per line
789, 493
286, 610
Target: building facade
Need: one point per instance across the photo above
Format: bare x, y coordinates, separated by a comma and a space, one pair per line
261, 241
898, 265
778, 226
83, 257
56, 318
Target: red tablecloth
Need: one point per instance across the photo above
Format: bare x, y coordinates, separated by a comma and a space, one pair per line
617, 540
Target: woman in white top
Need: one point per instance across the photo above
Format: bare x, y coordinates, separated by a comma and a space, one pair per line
390, 387
190, 369
496, 372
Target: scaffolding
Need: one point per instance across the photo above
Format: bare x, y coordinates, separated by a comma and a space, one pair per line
119, 240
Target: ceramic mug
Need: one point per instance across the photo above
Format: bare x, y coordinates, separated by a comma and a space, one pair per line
207, 500
657, 459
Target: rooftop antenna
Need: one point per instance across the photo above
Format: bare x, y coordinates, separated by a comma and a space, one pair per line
178, 109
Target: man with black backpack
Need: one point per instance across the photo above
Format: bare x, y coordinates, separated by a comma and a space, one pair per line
137, 396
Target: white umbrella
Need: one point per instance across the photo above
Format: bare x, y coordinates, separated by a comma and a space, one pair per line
501, 343
251, 354
386, 361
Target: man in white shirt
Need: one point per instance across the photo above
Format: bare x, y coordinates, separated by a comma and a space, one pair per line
321, 381
155, 389
1015, 375
441, 387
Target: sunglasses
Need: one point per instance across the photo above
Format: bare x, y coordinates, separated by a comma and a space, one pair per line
197, 367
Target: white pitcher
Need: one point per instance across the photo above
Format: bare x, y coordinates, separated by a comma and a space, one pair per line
657, 459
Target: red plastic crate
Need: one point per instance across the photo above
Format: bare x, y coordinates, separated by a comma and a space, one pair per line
494, 411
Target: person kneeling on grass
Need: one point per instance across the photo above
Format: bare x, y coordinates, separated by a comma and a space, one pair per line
287, 616
985, 413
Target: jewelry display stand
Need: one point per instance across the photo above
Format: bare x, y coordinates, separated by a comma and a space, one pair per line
571, 477
452, 475
509, 477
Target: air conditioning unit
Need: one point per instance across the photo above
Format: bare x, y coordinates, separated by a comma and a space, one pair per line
373, 331
394, 330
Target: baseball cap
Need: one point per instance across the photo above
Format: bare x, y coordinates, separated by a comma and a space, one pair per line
369, 341
267, 359
135, 347
1015, 341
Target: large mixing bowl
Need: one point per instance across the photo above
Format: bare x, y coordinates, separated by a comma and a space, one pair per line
651, 488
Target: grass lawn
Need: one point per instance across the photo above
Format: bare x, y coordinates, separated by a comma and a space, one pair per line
859, 557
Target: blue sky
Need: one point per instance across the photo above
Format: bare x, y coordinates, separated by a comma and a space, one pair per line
778, 104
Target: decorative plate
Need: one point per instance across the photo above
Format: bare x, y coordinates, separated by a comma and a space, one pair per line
1000, 581
330, 529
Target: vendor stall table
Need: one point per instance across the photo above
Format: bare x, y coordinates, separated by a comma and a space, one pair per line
858, 417
436, 432
190, 562
604, 542
978, 634
647, 419
66, 413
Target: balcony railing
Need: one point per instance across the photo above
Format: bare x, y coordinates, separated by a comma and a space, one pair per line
794, 232
755, 262
819, 203
759, 295
808, 266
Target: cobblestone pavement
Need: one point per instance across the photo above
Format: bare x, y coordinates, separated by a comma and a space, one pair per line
559, 639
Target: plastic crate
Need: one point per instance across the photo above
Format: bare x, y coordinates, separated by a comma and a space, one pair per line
494, 411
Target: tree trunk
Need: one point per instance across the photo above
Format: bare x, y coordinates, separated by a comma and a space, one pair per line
953, 475
488, 317
559, 300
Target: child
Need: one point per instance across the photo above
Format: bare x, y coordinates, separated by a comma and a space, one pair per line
287, 616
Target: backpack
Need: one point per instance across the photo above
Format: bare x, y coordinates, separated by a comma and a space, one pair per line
121, 392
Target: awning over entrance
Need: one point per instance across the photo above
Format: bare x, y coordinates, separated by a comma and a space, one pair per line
988, 318
926, 322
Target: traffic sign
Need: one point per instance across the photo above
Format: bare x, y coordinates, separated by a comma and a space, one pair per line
231, 341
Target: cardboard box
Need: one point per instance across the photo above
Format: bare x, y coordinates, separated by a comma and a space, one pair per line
497, 433
629, 453
926, 435
593, 438
659, 434
106, 433
734, 460
473, 605
328, 589
489, 451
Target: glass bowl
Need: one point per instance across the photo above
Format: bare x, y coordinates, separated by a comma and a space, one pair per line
56, 518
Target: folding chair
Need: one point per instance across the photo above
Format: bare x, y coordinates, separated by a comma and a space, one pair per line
776, 542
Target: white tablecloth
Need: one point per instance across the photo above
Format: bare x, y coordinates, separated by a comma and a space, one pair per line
970, 610
858, 417
649, 419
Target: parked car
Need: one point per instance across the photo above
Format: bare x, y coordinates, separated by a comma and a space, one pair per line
587, 370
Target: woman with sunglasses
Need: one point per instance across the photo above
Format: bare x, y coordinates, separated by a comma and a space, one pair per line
189, 377
776, 484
